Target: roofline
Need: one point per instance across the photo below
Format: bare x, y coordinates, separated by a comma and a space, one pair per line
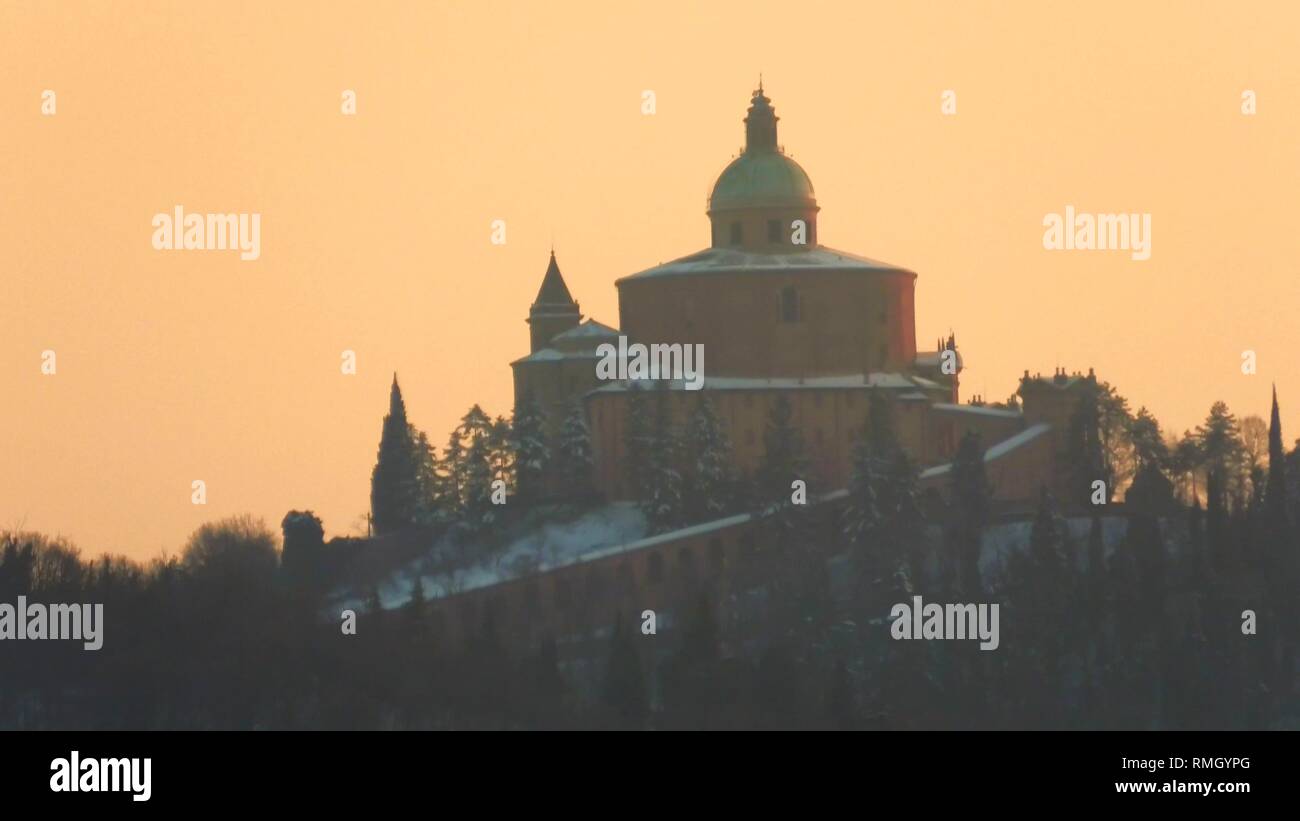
857, 265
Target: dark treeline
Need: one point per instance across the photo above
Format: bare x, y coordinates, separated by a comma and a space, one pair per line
231, 632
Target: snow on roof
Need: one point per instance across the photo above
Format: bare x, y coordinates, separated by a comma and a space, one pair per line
977, 410
552, 355
997, 451
726, 260
892, 381
588, 328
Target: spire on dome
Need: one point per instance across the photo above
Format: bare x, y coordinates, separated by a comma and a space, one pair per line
760, 122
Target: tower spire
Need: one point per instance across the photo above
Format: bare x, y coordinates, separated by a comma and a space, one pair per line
554, 311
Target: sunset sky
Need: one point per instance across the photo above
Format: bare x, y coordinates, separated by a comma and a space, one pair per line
375, 229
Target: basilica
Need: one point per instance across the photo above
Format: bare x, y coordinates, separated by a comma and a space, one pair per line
769, 313
776, 312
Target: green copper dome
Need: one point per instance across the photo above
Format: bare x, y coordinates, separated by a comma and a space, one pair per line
762, 179
763, 176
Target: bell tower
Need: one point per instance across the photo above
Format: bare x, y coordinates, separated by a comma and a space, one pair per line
554, 311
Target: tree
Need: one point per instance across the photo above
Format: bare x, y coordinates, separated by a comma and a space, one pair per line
430, 506
1223, 454
478, 511
783, 461
1185, 462
1254, 441
531, 454
712, 483
1098, 445
881, 433
1151, 489
500, 453
901, 519
663, 503
861, 515
1275, 494
394, 484
638, 441
971, 499
304, 545
451, 476
1149, 446
573, 454
236, 555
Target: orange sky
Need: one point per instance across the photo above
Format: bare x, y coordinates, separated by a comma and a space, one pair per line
175, 366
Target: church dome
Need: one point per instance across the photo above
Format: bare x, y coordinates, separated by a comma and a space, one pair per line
762, 179
762, 176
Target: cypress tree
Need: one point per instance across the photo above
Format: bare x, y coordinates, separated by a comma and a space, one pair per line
1275, 493
394, 484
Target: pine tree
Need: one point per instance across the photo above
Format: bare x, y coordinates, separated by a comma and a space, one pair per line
861, 516
783, 460
882, 434
531, 454
452, 476
971, 497
1221, 448
663, 504
902, 521
638, 442
1196, 558
395, 482
1216, 520
500, 453
1149, 448
573, 454
429, 504
712, 483
479, 510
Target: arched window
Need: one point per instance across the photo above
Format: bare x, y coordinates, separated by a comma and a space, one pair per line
789, 304
774, 231
736, 234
